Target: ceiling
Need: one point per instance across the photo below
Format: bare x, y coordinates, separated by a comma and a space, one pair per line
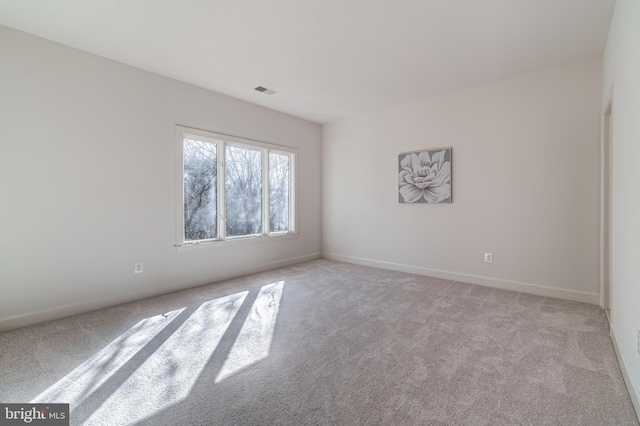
327, 59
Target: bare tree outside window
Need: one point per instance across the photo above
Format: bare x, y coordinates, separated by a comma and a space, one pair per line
254, 195
200, 190
243, 191
279, 171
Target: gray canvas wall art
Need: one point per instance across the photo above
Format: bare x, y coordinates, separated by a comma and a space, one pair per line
425, 176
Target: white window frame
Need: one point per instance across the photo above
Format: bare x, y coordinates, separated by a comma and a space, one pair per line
222, 141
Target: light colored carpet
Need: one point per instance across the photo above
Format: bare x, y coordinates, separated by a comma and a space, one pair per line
325, 343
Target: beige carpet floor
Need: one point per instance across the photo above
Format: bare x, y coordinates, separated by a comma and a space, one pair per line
325, 343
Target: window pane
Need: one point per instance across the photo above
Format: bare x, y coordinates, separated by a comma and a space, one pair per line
243, 187
200, 190
279, 172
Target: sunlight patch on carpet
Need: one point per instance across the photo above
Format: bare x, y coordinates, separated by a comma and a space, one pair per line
253, 343
90, 375
168, 375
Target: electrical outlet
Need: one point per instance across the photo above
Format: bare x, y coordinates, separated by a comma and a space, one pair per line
488, 257
328, 240
138, 268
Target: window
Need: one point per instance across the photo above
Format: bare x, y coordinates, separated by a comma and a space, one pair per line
233, 188
243, 191
279, 184
200, 189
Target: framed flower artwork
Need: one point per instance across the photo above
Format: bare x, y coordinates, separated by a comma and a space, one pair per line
424, 176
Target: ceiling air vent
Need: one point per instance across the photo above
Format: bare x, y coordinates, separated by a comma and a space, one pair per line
265, 90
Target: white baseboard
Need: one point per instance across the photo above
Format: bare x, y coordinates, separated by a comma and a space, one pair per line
23, 320
540, 290
632, 388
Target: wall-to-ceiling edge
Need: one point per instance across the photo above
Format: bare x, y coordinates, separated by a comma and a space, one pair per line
88, 178
525, 182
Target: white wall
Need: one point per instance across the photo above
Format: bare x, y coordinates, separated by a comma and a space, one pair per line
525, 176
87, 181
622, 70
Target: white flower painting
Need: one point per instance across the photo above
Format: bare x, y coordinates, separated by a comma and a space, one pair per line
425, 176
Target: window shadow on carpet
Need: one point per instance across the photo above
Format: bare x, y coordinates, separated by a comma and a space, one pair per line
157, 362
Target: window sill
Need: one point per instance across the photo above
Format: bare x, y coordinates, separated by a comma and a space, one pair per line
252, 239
